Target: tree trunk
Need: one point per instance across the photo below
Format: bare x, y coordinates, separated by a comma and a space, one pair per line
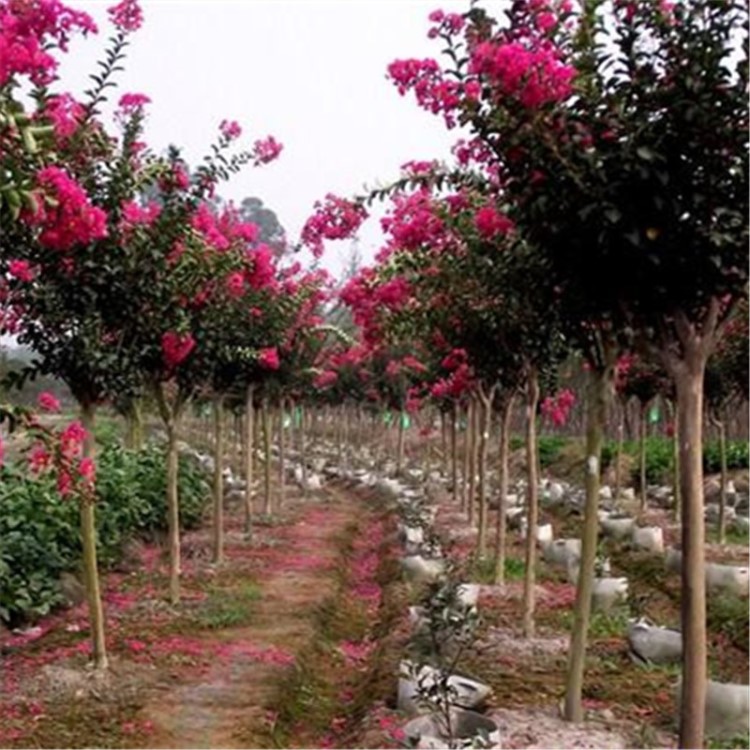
618, 455
676, 468
248, 456
642, 454
466, 458
532, 504
134, 425
303, 450
218, 530
501, 526
473, 459
400, 445
88, 537
600, 386
282, 456
454, 451
723, 489
487, 399
444, 443
267, 505
170, 418
689, 382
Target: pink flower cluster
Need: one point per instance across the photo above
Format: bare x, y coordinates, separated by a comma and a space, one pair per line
129, 104
72, 220
268, 358
230, 130
65, 114
534, 77
433, 91
176, 348
28, 30
266, 150
21, 270
557, 408
334, 219
127, 15
48, 402
413, 222
490, 223
325, 378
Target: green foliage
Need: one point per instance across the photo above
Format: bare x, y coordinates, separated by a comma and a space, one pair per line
549, 449
659, 456
39, 532
727, 614
227, 608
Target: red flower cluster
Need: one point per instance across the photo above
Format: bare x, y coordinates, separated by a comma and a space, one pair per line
176, 348
334, 219
27, 32
268, 358
534, 77
71, 220
557, 408
127, 16
266, 150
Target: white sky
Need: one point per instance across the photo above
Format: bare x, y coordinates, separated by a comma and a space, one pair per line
309, 72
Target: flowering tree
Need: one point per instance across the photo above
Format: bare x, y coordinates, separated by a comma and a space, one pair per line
70, 175
618, 134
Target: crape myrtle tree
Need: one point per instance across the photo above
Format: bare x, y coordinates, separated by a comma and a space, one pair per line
467, 269
67, 286
619, 133
207, 303
644, 381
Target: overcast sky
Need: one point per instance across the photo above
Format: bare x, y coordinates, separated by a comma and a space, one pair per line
309, 72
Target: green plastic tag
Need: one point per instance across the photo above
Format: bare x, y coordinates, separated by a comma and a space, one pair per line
287, 421
387, 418
653, 415
405, 420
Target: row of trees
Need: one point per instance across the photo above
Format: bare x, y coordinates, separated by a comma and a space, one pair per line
599, 204
119, 269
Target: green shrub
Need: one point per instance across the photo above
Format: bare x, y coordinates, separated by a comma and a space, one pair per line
39, 531
549, 447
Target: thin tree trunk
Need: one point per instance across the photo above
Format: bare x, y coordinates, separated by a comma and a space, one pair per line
618, 455
454, 451
642, 454
282, 456
676, 468
467, 458
170, 415
487, 400
532, 504
473, 459
444, 443
600, 382
303, 451
218, 529
88, 537
400, 445
689, 382
723, 488
248, 458
134, 425
501, 527
267, 505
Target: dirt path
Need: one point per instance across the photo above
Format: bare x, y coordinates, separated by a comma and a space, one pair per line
231, 698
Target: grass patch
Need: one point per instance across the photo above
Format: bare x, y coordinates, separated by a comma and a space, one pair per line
228, 607
482, 570
727, 615
740, 741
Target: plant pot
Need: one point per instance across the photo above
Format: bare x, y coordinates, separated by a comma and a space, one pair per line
429, 731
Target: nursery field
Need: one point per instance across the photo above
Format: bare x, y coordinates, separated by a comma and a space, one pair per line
302, 637
453, 457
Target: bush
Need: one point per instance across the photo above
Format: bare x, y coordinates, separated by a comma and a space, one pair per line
549, 447
39, 531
